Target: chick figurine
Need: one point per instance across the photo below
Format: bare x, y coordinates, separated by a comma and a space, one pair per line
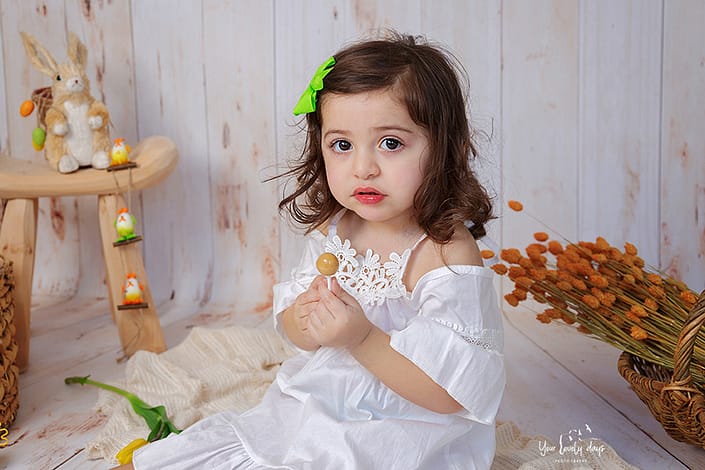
132, 290
119, 154
125, 226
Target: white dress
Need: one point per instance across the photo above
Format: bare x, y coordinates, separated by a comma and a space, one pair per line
326, 411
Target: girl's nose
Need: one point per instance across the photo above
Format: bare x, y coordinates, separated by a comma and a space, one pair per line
365, 165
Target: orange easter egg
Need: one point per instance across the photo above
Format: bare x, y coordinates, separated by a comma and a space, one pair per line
26, 108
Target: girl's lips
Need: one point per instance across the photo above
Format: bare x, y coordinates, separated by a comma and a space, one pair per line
368, 195
366, 198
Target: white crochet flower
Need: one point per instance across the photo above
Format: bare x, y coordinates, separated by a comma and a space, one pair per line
365, 277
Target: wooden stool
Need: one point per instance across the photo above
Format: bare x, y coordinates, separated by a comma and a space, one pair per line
23, 182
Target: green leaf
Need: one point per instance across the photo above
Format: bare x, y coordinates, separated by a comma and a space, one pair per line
155, 416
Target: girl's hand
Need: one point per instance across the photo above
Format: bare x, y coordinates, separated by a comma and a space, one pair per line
338, 319
304, 304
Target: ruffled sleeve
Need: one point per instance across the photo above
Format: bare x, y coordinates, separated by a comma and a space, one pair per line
302, 276
457, 339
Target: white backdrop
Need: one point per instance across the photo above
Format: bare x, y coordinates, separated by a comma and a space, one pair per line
594, 112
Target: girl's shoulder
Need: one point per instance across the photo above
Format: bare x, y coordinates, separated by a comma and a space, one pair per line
461, 250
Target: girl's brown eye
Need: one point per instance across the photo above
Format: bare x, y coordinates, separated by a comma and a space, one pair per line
341, 145
391, 144
58, 78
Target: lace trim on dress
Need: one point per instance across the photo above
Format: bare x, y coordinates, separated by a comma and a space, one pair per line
489, 340
371, 281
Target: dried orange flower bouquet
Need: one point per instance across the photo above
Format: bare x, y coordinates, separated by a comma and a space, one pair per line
606, 293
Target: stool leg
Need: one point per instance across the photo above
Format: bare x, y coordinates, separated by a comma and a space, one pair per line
18, 241
139, 328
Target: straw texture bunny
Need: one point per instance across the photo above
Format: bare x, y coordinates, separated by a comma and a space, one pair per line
76, 123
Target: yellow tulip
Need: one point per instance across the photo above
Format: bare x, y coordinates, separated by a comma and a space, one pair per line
125, 454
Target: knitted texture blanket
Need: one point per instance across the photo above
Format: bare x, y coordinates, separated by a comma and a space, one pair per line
215, 370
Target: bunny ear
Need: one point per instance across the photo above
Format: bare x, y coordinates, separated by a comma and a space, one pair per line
40, 57
77, 51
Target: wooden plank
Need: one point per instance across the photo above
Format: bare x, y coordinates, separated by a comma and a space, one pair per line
241, 149
4, 134
539, 116
371, 16
139, 329
683, 143
55, 421
620, 84
57, 247
18, 242
545, 397
92, 278
57, 348
169, 84
476, 42
594, 364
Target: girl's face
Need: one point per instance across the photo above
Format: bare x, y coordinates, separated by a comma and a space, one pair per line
374, 155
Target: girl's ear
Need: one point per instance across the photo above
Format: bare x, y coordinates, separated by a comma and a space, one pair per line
40, 57
77, 51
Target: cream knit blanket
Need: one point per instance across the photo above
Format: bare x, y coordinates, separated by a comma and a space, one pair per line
230, 369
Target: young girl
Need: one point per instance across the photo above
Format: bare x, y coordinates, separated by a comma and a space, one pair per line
401, 364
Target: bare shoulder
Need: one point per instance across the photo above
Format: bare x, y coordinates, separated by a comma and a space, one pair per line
462, 249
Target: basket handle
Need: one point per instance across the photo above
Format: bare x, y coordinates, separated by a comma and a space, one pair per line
686, 343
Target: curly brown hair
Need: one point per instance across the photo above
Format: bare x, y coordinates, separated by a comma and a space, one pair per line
428, 78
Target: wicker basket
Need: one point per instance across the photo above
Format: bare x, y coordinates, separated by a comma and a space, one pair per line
672, 399
8, 347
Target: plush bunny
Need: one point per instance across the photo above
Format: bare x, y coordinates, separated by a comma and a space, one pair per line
76, 123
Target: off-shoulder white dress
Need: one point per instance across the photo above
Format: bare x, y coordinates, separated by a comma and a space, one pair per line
326, 411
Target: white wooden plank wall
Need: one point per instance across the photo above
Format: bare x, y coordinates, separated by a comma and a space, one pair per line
619, 121
242, 145
682, 234
3, 105
539, 165
594, 111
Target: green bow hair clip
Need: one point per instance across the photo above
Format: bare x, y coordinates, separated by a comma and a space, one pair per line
307, 102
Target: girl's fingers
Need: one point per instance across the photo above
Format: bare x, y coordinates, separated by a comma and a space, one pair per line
324, 313
315, 321
318, 283
309, 296
331, 302
341, 294
303, 318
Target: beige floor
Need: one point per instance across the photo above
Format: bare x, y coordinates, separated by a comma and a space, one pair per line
558, 381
